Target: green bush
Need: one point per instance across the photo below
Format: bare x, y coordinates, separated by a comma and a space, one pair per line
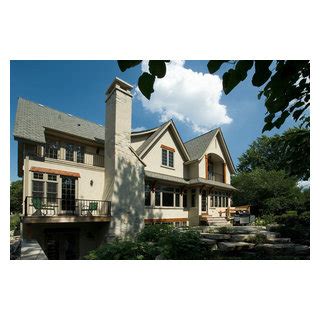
154, 232
15, 222
259, 239
124, 250
181, 245
154, 241
296, 227
264, 220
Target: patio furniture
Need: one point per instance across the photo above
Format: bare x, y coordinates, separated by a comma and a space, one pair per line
87, 210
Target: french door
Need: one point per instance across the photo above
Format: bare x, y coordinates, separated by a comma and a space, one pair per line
68, 195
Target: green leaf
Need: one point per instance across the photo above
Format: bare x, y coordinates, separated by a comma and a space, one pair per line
262, 72
242, 67
158, 68
267, 127
145, 84
230, 80
126, 64
214, 65
278, 123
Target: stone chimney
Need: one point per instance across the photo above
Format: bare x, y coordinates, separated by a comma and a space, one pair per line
124, 172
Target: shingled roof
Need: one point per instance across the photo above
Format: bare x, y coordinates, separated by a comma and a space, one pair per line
196, 147
32, 119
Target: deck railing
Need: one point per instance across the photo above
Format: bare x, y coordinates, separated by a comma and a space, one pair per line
40, 206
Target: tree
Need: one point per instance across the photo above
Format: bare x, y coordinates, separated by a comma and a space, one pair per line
270, 191
286, 87
289, 151
16, 192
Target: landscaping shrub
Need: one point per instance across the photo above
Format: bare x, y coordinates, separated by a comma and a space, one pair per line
155, 241
183, 245
264, 220
15, 223
259, 239
124, 250
154, 232
296, 227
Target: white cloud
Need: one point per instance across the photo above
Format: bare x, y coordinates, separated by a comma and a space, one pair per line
187, 96
139, 129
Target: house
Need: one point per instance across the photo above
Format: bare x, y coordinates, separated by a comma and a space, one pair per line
84, 183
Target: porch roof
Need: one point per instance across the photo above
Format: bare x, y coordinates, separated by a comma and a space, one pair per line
192, 182
212, 183
165, 177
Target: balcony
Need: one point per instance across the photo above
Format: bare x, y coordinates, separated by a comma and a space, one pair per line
48, 210
215, 176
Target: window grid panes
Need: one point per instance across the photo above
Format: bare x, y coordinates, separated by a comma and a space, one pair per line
52, 177
37, 189
80, 154
51, 150
164, 157
170, 159
37, 175
69, 152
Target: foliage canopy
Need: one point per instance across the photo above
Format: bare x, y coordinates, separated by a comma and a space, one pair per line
286, 87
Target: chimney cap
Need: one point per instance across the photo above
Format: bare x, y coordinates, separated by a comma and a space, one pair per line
117, 82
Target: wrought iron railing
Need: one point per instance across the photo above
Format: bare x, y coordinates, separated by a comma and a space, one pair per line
40, 206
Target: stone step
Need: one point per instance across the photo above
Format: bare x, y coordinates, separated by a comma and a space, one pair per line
235, 246
215, 236
279, 240
283, 248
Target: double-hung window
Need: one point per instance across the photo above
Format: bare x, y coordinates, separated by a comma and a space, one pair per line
167, 158
37, 185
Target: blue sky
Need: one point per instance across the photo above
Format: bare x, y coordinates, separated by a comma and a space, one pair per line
78, 87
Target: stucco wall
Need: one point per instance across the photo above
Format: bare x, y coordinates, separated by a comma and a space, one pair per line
165, 213
214, 147
153, 157
83, 188
137, 141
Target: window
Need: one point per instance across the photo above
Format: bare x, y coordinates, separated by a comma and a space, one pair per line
167, 158
37, 175
210, 171
147, 195
37, 189
52, 177
170, 159
164, 157
177, 204
52, 192
193, 197
185, 199
69, 151
80, 154
211, 201
158, 197
52, 149
167, 197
